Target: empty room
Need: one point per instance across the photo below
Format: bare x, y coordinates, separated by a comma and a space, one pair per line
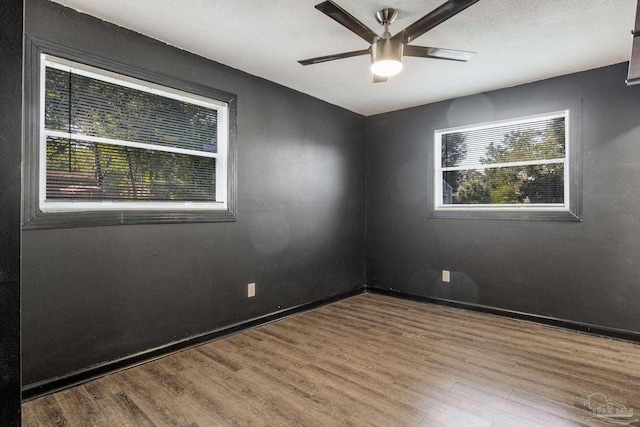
320, 213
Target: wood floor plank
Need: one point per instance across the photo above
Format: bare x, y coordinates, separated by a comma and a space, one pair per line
46, 412
369, 360
155, 402
103, 391
406, 400
320, 389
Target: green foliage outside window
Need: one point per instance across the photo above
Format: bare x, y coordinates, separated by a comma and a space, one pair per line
78, 168
508, 184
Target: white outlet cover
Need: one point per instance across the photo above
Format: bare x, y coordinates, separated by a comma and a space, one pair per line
251, 290
446, 276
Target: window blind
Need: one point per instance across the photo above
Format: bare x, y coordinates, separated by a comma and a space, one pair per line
109, 141
515, 163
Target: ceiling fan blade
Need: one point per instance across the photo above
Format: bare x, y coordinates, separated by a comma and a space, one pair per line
379, 79
335, 56
438, 53
343, 17
432, 19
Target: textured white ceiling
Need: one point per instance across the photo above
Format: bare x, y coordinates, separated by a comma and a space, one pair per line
516, 41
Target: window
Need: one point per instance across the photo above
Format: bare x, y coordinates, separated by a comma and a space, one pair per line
516, 166
111, 142
113, 148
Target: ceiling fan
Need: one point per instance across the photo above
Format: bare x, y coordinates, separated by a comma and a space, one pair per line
387, 51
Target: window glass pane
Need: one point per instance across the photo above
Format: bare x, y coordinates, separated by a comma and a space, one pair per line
56, 106
109, 110
506, 185
516, 142
88, 170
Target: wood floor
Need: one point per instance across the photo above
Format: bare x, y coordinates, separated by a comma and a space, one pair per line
369, 360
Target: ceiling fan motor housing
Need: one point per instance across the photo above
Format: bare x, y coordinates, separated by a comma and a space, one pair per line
386, 49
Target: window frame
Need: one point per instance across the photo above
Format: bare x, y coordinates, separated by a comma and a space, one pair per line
570, 210
40, 214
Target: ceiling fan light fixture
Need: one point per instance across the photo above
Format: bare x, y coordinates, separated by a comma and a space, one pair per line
386, 67
386, 57
387, 50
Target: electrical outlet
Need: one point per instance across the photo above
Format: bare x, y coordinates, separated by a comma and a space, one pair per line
446, 276
251, 290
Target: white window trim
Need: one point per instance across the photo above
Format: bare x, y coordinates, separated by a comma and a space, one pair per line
533, 207
222, 108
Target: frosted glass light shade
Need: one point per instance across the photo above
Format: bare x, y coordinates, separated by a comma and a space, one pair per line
386, 67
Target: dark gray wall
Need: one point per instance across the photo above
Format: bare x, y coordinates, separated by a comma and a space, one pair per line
11, 21
585, 272
92, 295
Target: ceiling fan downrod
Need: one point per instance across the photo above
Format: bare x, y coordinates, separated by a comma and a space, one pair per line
385, 17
